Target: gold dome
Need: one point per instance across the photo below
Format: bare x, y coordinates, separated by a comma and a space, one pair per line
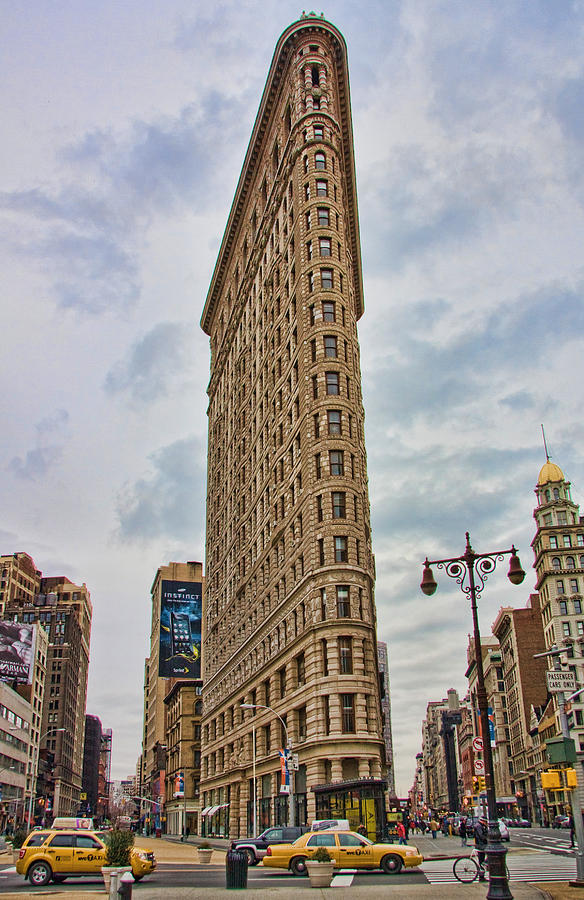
550, 472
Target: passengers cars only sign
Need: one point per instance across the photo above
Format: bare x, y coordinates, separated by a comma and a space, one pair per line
561, 681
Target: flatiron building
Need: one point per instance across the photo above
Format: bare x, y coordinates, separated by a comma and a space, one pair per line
290, 654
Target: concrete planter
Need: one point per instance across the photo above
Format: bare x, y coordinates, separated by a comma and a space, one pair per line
204, 854
320, 874
111, 877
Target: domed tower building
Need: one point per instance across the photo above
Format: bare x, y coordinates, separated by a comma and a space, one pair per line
558, 547
290, 656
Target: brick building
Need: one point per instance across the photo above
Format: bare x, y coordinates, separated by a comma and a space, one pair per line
290, 614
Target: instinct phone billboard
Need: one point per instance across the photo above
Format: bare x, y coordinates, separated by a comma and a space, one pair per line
180, 629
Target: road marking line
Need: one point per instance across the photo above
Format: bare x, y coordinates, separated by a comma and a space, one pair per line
342, 880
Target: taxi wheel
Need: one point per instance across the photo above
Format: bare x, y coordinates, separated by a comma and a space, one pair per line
39, 874
298, 865
391, 864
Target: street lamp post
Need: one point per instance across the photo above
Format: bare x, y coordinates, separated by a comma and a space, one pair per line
34, 774
291, 804
471, 571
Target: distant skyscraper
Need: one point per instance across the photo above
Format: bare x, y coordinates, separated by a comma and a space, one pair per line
290, 613
383, 665
91, 753
64, 611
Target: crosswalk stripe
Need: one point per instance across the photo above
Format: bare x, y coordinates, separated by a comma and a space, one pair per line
540, 866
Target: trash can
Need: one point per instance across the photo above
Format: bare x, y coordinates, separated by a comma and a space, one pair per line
235, 869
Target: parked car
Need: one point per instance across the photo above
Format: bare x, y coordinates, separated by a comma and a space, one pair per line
57, 854
561, 822
255, 848
348, 849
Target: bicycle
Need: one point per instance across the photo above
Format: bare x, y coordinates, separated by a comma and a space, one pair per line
467, 868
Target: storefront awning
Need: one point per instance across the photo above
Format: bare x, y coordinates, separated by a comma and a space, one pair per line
205, 812
213, 810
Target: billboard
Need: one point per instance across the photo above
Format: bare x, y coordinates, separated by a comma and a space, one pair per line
17, 643
180, 629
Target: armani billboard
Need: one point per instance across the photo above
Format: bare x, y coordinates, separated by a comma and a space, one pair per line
17, 641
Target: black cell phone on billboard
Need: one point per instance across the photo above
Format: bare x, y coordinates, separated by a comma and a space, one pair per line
180, 630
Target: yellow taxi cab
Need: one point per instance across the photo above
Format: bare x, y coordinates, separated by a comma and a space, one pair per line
57, 854
348, 849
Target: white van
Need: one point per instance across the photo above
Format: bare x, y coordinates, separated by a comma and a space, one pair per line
331, 825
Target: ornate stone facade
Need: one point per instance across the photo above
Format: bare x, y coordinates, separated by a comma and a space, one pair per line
290, 615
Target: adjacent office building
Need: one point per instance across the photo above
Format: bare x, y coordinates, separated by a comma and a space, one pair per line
290, 659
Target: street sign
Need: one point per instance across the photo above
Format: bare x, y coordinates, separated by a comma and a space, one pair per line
477, 744
479, 766
561, 681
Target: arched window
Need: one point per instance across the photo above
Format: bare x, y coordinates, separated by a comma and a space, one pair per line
315, 75
320, 161
556, 493
556, 563
570, 564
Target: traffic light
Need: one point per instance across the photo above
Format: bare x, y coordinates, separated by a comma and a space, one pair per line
482, 783
551, 781
475, 784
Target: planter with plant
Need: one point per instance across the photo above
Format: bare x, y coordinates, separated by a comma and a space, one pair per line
18, 839
204, 852
118, 854
320, 868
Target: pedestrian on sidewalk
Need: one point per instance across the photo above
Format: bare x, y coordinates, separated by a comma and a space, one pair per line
571, 826
401, 833
462, 832
434, 826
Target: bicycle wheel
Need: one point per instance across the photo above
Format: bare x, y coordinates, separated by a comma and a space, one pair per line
465, 869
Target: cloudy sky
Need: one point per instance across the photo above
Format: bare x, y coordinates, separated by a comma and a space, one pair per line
124, 130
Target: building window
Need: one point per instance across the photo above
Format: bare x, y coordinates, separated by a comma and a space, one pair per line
577, 606
556, 562
560, 587
319, 161
348, 713
326, 279
318, 132
566, 629
319, 515
553, 542
343, 602
321, 551
282, 681
326, 713
328, 311
317, 466
314, 387
324, 245
321, 188
302, 723
334, 421
323, 604
336, 462
580, 628
563, 607
341, 552
323, 214
330, 346
339, 505
309, 249
316, 420
310, 282
580, 540
566, 540
562, 518
570, 564
332, 383
300, 668
346, 655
